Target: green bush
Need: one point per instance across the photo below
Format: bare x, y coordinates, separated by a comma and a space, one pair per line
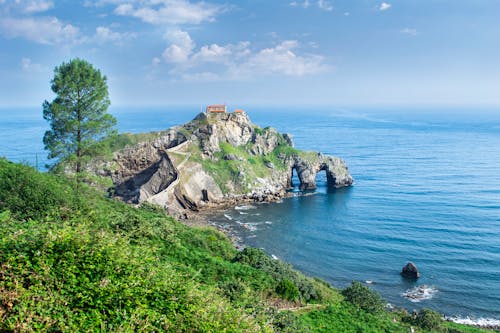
288, 322
363, 297
428, 319
288, 290
31, 195
309, 289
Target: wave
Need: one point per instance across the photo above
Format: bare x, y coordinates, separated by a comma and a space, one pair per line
245, 207
481, 322
249, 226
420, 293
229, 217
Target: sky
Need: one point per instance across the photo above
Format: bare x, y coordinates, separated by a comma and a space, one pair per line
258, 52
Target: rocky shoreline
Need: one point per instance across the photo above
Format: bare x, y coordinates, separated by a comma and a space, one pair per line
201, 218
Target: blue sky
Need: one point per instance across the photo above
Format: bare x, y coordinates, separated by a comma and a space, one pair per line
258, 52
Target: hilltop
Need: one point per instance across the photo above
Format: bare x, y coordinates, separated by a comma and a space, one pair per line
215, 159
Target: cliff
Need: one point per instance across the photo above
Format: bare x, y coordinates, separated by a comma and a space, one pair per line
215, 159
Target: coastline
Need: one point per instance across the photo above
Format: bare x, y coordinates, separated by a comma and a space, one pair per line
201, 219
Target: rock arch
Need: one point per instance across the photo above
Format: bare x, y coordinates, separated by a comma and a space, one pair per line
307, 168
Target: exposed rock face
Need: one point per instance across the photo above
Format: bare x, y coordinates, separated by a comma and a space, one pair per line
216, 159
336, 170
410, 271
233, 128
144, 170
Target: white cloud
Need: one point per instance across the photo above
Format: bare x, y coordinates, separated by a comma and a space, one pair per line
124, 9
180, 48
322, 4
227, 54
100, 3
325, 5
409, 31
43, 30
236, 61
27, 65
304, 4
105, 34
35, 6
202, 76
282, 59
28, 6
168, 12
384, 6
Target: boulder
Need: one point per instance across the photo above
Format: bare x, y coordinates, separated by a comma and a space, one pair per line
410, 271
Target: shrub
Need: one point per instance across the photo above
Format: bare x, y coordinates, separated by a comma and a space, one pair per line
288, 290
363, 297
234, 290
32, 195
428, 319
280, 271
288, 322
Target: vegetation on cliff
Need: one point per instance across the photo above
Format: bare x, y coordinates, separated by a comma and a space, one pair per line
88, 263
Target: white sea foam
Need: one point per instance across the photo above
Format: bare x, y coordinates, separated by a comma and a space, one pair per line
482, 322
228, 217
242, 213
248, 226
245, 207
420, 293
369, 282
274, 257
268, 222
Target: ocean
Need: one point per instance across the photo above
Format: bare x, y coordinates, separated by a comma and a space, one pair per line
427, 190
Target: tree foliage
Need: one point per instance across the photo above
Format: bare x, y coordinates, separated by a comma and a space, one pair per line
428, 319
363, 297
78, 115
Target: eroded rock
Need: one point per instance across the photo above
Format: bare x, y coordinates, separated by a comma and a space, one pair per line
410, 271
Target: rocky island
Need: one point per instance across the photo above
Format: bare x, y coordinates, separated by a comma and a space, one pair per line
216, 159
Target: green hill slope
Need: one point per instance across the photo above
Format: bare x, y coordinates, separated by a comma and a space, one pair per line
86, 263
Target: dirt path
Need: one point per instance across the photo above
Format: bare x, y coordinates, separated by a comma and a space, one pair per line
306, 307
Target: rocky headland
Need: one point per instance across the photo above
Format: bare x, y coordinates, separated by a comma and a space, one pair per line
217, 159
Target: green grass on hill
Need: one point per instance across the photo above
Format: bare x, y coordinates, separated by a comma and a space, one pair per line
85, 263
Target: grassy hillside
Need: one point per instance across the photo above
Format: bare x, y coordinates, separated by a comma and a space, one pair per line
85, 263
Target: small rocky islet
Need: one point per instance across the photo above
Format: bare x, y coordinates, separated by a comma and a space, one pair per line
215, 160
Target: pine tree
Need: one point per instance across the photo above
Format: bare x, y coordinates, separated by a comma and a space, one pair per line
78, 115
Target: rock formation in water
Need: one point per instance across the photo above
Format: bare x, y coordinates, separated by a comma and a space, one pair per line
410, 271
215, 159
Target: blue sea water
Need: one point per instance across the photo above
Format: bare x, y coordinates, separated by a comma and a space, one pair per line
427, 190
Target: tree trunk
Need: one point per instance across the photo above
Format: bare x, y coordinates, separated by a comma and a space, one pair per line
79, 137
